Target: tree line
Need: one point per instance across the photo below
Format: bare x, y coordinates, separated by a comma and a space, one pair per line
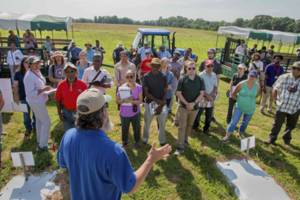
285, 24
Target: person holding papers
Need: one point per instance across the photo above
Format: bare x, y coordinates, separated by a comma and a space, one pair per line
20, 96
36, 96
130, 97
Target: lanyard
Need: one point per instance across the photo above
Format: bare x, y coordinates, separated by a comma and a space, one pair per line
37, 75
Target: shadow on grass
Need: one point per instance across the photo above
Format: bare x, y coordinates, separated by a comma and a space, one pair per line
6, 117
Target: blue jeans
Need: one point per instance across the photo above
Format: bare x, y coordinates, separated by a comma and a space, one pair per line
69, 119
29, 122
235, 120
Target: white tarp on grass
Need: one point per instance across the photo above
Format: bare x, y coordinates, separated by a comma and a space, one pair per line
250, 181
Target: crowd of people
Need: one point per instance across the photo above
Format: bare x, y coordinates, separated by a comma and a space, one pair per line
155, 83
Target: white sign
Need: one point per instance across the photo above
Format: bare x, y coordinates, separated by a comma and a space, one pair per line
124, 92
28, 159
6, 90
248, 142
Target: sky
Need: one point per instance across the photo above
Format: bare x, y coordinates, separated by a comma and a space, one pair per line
213, 10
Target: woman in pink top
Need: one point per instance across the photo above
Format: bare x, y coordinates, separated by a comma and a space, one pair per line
130, 97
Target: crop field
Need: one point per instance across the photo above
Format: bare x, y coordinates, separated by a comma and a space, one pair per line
193, 175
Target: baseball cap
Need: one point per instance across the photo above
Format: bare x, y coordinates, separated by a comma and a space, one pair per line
91, 100
69, 65
253, 73
296, 64
33, 59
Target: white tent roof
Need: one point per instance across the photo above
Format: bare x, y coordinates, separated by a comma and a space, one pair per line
267, 35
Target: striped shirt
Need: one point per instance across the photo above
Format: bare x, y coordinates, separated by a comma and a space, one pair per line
288, 93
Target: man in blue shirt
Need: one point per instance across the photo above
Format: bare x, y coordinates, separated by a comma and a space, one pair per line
99, 168
73, 53
272, 72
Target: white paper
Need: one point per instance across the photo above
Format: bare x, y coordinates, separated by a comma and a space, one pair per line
244, 143
50, 91
124, 92
28, 159
6, 89
21, 107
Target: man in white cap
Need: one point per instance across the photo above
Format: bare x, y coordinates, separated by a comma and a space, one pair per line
66, 96
98, 167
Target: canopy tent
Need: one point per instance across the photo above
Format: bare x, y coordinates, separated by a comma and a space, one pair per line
265, 35
34, 22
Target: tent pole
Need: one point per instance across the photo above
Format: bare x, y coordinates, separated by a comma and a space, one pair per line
217, 41
72, 32
67, 35
52, 35
41, 34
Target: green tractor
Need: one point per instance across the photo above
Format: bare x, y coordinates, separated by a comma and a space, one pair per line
227, 56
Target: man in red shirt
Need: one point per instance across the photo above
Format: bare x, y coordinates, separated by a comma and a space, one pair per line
66, 96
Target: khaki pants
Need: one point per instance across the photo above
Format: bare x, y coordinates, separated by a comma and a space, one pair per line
186, 119
266, 96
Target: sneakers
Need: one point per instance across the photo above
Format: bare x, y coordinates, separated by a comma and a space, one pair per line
178, 152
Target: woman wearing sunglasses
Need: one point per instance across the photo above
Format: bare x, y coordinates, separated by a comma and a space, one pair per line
66, 96
130, 97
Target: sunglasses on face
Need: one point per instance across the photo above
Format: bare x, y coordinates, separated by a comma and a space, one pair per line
209, 66
191, 68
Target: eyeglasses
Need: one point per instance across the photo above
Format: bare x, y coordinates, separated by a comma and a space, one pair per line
209, 66
296, 68
129, 77
191, 68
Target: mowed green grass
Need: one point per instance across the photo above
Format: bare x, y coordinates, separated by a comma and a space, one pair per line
193, 175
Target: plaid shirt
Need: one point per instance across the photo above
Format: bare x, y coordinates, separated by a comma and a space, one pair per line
288, 102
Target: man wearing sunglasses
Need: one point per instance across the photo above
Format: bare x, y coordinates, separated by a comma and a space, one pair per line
190, 91
66, 96
286, 93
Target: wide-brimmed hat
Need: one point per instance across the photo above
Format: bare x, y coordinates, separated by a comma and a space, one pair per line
296, 64
57, 54
155, 62
91, 100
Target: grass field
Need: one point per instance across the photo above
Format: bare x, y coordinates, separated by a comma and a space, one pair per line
191, 176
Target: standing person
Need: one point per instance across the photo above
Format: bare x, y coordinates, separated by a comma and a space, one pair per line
272, 72
298, 54
155, 89
163, 53
165, 62
245, 95
130, 111
145, 64
144, 49
122, 67
116, 53
241, 49
66, 96
175, 68
211, 86
89, 52
286, 93
258, 65
73, 53
236, 79
98, 48
97, 76
190, 91
253, 50
217, 69
98, 167
186, 57
82, 64
29, 40
35, 86
1, 124
13, 59
56, 70
13, 38
20, 96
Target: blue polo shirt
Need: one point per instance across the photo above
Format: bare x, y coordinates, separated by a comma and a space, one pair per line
272, 73
98, 168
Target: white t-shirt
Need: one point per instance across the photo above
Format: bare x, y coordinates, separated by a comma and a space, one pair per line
241, 50
33, 82
259, 66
